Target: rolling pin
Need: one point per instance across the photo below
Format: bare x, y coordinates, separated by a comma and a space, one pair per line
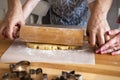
51, 34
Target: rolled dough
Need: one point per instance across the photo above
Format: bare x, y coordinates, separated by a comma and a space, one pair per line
50, 46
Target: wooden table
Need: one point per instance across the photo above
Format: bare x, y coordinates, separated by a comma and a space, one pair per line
107, 67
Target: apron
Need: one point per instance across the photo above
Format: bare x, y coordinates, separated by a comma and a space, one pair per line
69, 12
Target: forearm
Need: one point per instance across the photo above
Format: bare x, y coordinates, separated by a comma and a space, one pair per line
29, 6
100, 7
91, 5
14, 4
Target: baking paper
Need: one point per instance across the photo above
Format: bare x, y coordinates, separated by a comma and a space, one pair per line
19, 51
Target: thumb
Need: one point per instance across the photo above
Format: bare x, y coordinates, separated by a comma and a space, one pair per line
15, 32
22, 22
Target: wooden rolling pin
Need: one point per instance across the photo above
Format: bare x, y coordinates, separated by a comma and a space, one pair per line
52, 35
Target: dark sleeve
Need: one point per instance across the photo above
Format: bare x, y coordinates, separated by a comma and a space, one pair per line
46, 0
118, 19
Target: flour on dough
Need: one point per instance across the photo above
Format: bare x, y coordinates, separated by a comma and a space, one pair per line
50, 46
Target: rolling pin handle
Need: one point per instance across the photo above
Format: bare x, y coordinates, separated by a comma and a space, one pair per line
85, 38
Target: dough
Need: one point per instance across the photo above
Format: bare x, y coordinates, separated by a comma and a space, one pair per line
50, 46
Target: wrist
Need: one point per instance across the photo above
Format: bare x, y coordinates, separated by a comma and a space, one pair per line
98, 15
101, 7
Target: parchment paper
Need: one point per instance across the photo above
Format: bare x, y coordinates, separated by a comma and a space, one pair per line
19, 51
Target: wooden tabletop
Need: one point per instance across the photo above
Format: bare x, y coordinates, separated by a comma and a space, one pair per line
106, 67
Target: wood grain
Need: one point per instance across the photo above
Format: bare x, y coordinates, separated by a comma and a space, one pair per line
89, 72
52, 35
4, 45
107, 67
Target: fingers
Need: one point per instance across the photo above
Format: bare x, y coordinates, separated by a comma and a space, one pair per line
113, 50
101, 39
107, 37
106, 46
22, 23
92, 39
97, 39
5, 31
112, 46
13, 32
16, 31
116, 52
9, 32
2, 32
114, 32
110, 50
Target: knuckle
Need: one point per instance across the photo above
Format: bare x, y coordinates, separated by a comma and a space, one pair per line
92, 44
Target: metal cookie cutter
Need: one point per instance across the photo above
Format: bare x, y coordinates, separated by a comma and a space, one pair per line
69, 76
18, 71
10, 76
22, 71
38, 74
21, 68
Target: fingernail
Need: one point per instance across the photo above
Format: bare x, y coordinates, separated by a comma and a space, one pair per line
113, 54
102, 52
107, 32
97, 51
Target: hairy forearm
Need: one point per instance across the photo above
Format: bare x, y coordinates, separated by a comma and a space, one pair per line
29, 6
91, 5
100, 7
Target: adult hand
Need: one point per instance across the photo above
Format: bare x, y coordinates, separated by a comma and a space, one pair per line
12, 22
97, 24
96, 30
112, 46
